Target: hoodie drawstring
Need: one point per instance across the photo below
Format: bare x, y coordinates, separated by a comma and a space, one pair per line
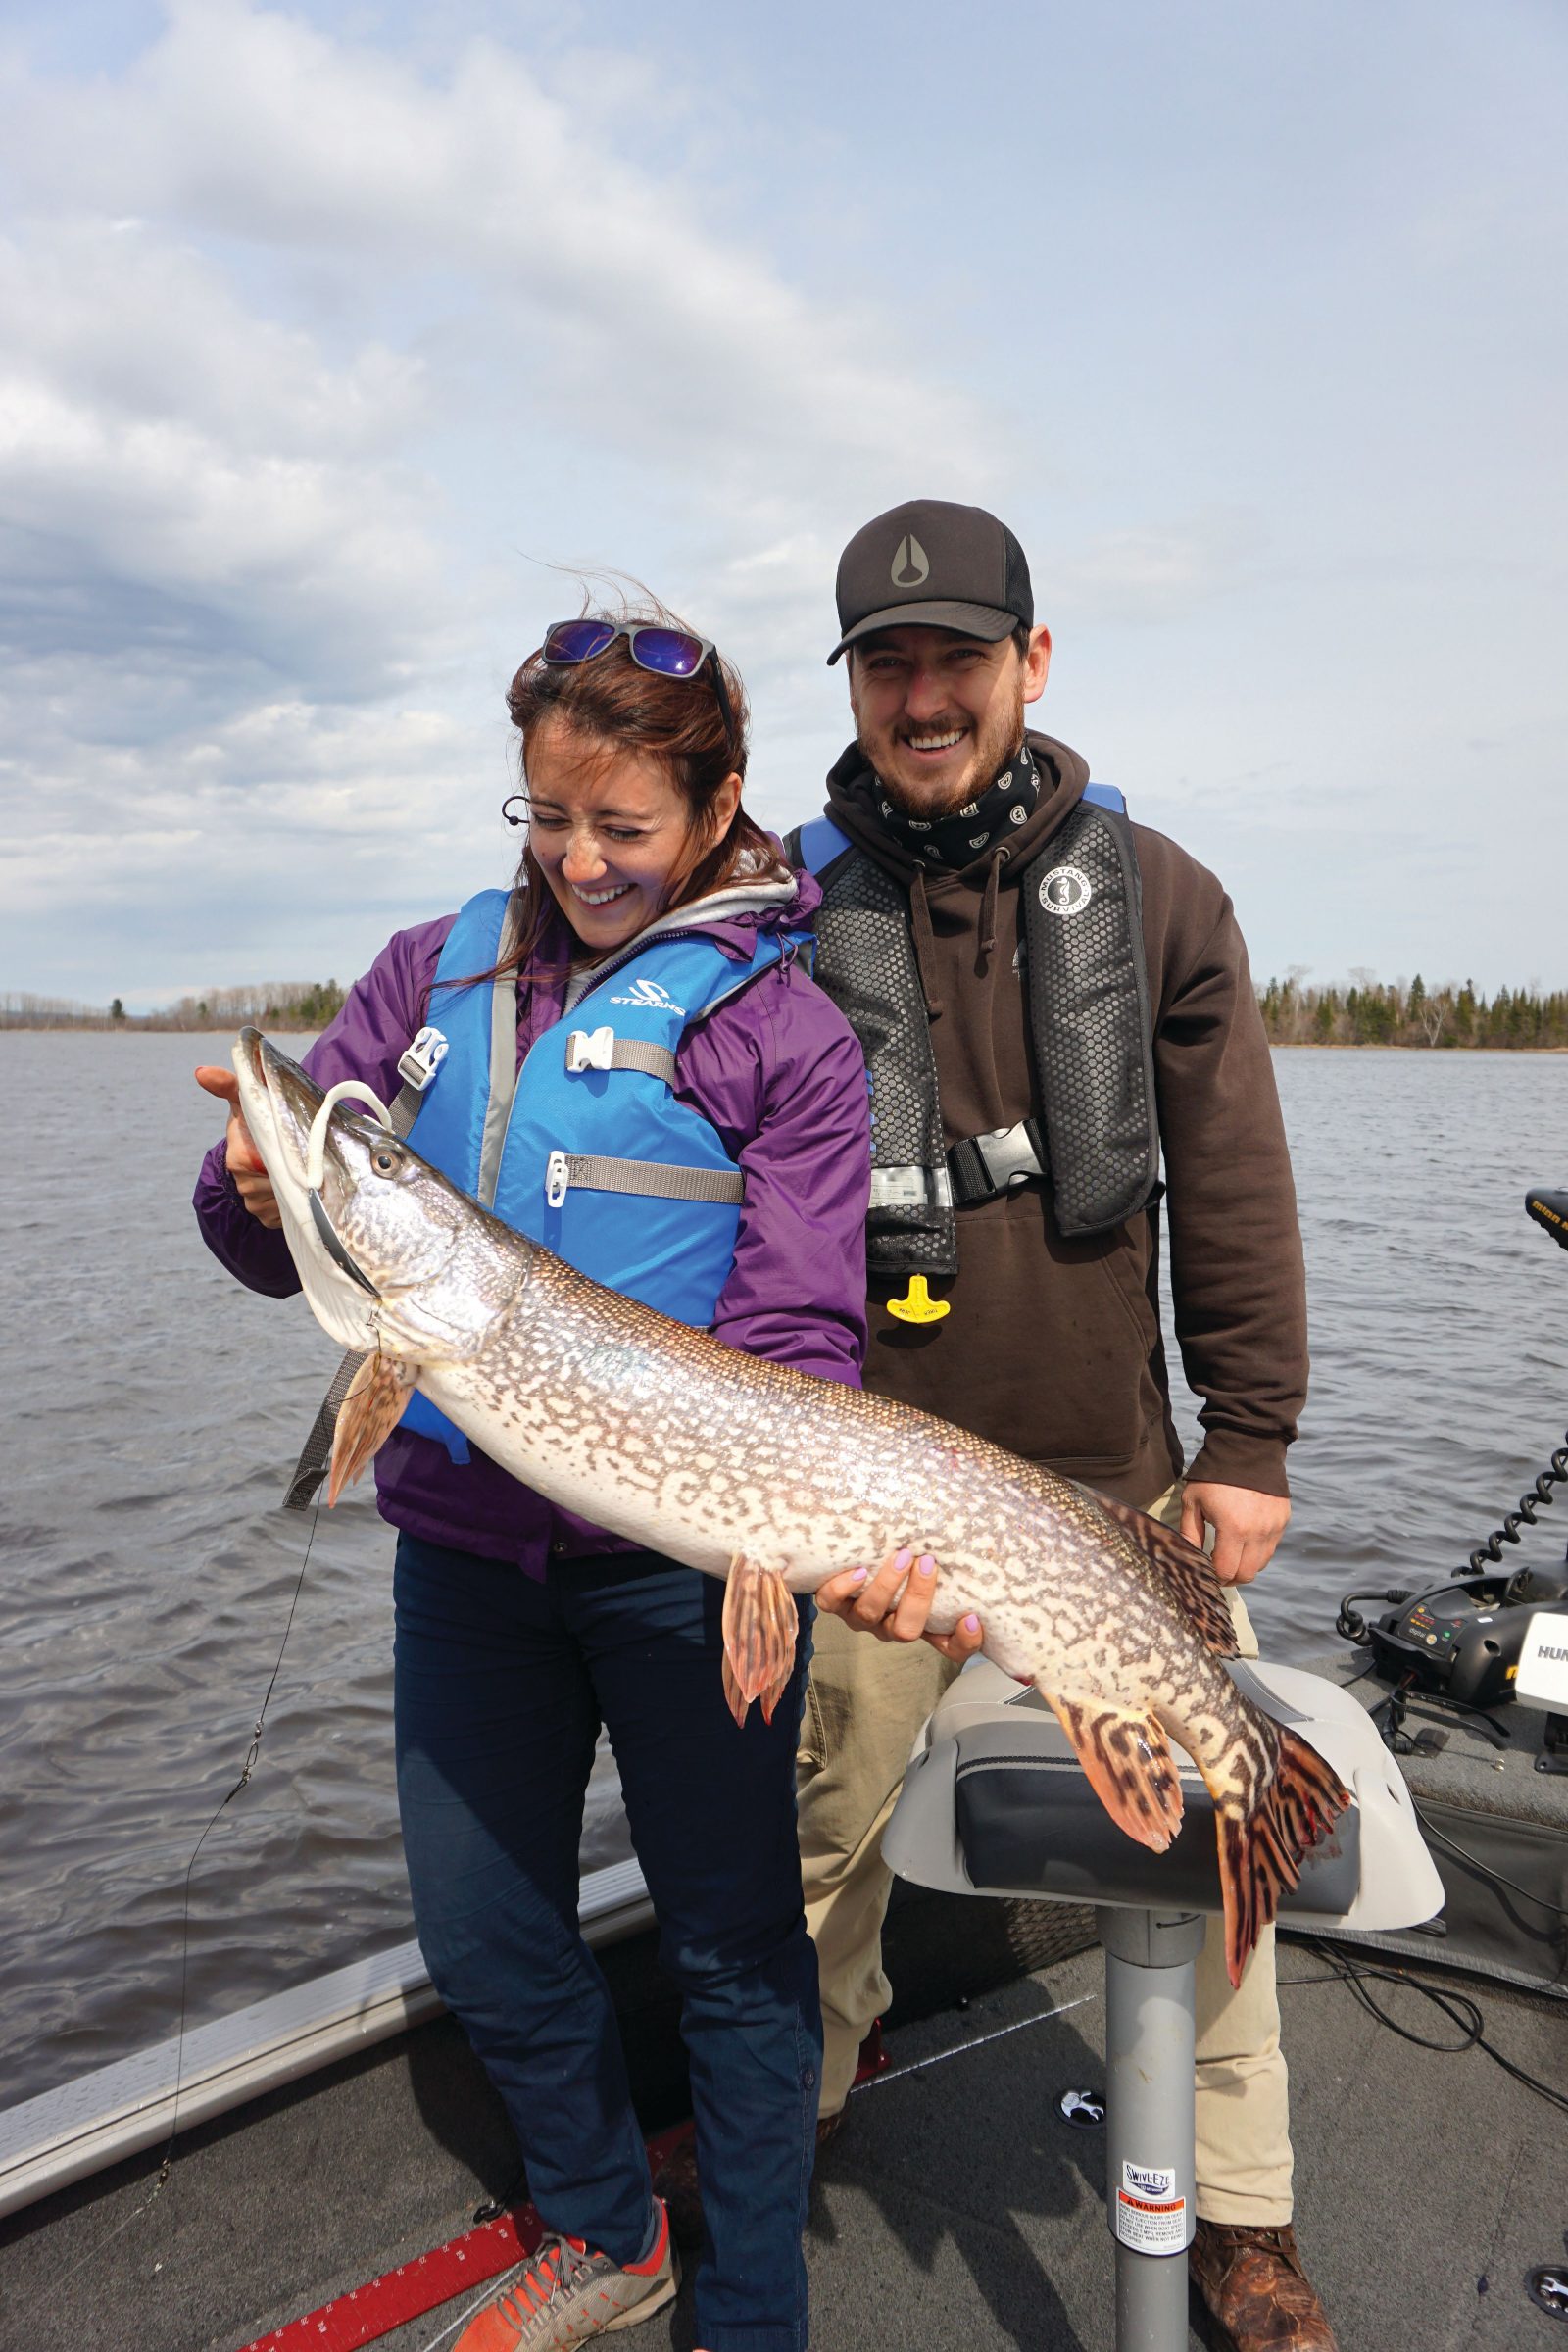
925, 945
987, 903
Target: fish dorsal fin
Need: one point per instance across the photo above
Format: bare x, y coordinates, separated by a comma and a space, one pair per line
1188, 1572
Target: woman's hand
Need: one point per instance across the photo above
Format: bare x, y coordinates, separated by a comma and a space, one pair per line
240, 1155
895, 1603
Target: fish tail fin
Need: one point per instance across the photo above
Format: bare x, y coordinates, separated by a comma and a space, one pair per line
372, 1409
1260, 1849
761, 1625
1128, 1762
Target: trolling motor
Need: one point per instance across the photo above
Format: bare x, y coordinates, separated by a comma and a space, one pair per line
1459, 1646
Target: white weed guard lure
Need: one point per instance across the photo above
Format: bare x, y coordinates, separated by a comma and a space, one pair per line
347, 1090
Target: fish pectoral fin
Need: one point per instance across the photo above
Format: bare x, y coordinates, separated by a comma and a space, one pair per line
370, 1412
1128, 1762
1188, 1572
761, 1625
1261, 1849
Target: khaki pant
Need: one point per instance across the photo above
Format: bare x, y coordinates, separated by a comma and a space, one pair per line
865, 1701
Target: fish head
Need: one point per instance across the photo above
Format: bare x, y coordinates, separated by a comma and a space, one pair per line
393, 1257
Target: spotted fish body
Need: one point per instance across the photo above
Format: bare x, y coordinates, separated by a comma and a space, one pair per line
775, 1480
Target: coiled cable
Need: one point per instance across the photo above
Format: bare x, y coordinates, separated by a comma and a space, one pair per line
1556, 1474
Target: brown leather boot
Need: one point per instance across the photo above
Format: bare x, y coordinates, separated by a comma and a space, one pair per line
1255, 2288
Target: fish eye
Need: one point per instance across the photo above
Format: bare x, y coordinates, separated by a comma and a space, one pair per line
386, 1161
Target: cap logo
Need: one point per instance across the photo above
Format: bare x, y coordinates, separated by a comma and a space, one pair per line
911, 565
1066, 889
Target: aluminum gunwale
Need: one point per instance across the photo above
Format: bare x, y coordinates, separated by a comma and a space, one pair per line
64, 2135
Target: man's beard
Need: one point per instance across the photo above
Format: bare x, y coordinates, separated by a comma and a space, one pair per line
995, 744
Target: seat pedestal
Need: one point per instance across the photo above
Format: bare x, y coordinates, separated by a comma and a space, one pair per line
1149, 2191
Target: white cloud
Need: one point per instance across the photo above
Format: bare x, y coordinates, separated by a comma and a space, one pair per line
305, 349
194, 475
683, 344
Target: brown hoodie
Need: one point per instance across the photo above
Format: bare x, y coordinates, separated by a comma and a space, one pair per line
1053, 1346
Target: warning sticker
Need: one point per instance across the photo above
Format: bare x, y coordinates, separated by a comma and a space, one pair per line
1151, 2216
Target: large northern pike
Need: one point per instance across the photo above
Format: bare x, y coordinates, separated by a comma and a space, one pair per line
775, 1481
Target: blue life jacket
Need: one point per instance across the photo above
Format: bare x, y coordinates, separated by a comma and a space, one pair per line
586, 1147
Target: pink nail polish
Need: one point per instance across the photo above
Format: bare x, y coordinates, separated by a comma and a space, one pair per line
902, 1559
971, 1625
860, 1575
928, 1566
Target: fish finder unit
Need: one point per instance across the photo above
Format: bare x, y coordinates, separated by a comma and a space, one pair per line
1463, 1640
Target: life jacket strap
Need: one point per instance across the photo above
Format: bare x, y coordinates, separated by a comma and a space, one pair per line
602, 1049
662, 1180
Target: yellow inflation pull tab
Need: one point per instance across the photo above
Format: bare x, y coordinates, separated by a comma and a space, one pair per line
919, 1305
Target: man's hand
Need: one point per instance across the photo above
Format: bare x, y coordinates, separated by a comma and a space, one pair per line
1246, 1527
895, 1603
241, 1157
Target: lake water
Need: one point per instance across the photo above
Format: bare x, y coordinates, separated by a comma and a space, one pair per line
153, 1410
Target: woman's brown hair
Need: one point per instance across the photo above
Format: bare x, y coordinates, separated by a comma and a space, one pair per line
614, 704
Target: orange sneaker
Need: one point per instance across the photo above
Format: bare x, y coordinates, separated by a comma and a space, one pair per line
563, 2294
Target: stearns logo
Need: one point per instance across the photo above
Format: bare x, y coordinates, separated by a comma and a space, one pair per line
648, 992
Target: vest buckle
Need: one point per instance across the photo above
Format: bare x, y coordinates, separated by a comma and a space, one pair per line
984, 1165
420, 1064
558, 1175
591, 1049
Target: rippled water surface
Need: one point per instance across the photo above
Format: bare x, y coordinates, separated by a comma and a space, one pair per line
153, 1408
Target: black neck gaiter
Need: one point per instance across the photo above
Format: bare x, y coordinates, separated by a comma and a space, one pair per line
958, 839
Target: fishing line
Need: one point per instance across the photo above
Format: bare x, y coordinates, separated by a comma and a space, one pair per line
918, 2066
246, 1768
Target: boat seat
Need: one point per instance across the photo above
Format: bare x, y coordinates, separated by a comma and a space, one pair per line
994, 1803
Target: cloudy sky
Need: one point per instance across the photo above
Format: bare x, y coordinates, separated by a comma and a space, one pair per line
326, 331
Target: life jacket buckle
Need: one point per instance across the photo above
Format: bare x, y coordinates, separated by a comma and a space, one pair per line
420, 1064
591, 1049
558, 1175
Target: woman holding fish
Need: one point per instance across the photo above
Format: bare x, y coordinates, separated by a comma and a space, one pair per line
624, 1054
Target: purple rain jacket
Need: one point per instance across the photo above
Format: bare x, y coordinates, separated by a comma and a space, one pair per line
775, 1069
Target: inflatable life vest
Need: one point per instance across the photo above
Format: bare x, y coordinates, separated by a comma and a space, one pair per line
1090, 1027
586, 1147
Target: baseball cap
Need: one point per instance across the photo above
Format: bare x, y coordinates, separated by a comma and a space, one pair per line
938, 566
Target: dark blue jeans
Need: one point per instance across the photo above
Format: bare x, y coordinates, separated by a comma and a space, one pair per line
502, 1684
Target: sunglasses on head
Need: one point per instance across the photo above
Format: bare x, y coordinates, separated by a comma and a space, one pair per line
667, 653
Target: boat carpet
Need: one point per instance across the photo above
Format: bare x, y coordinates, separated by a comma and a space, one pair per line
956, 2207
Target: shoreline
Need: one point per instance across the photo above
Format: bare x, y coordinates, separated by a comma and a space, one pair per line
154, 1028
1370, 1045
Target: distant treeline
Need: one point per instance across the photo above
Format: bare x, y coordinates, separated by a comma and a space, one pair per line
274, 1004
1374, 1012
1366, 1012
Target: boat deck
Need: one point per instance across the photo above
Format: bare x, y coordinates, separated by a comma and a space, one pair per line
957, 2208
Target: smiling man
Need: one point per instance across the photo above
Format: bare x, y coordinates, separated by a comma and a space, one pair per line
1050, 998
